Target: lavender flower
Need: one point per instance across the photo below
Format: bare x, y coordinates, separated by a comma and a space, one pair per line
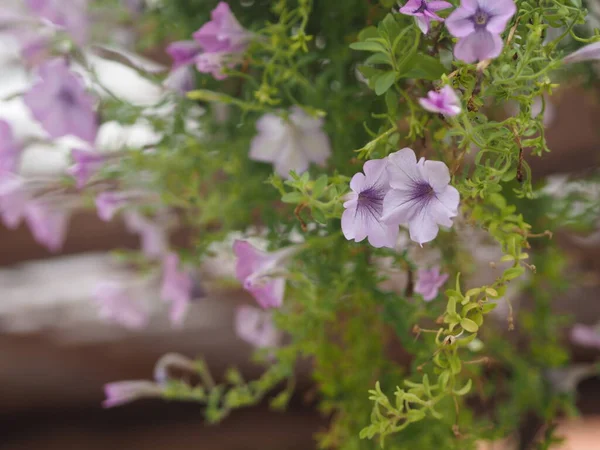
590, 52
478, 24
444, 102
108, 203
13, 199
180, 80
292, 144
152, 236
214, 63
420, 196
176, 288
257, 271
585, 336
59, 101
223, 34
429, 282
183, 53
424, 12
121, 392
85, 167
117, 305
256, 327
48, 226
10, 151
71, 16
364, 205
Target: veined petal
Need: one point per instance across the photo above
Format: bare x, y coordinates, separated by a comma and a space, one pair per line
478, 46
398, 207
422, 226
402, 169
460, 23
436, 173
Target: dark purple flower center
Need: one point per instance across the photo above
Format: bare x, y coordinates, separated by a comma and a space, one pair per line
480, 18
66, 97
422, 192
421, 9
370, 201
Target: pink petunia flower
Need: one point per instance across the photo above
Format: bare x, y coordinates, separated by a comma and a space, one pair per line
61, 104
183, 53
223, 33
176, 288
429, 282
444, 102
118, 305
108, 203
86, 165
121, 392
590, 52
13, 199
478, 24
70, 15
420, 196
424, 12
152, 236
256, 327
47, 225
364, 206
10, 150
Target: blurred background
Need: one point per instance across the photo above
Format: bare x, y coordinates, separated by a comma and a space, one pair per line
56, 353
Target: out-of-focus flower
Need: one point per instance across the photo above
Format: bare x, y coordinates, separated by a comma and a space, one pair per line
117, 305
590, 52
258, 272
180, 80
47, 225
183, 53
61, 104
152, 236
478, 24
214, 63
424, 12
364, 205
290, 144
444, 102
10, 151
223, 33
70, 15
176, 288
256, 327
86, 165
108, 203
429, 282
420, 196
585, 336
13, 199
171, 360
121, 392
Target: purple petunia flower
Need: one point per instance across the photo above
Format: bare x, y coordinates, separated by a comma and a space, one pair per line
70, 16
420, 196
257, 271
424, 12
180, 80
10, 151
214, 63
444, 102
590, 52
108, 203
256, 327
86, 165
48, 226
59, 101
117, 305
176, 288
223, 34
429, 282
364, 205
183, 53
121, 392
478, 24
13, 199
585, 336
292, 144
153, 237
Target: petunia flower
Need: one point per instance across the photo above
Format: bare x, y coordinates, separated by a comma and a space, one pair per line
86, 165
47, 225
444, 102
424, 12
61, 104
214, 63
108, 203
256, 327
152, 236
420, 196
13, 199
117, 305
121, 392
10, 151
183, 53
180, 80
176, 288
223, 33
260, 272
478, 25
364, 205
590, 52
429, 282
70, 15
290, 144
585, 336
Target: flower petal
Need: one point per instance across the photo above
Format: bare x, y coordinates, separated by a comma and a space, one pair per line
402, 169
436, 173
422, 226
478, 46
398, 207
459, 22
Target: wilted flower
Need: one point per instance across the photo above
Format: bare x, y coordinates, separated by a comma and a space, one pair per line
478, 24
9, 149
429, 282
585, 336
183, 53
152, 236
590, 52
47, 225
364, 205
223, 34
424, 12
420, 196
176, 288
257, 271
70, 15
61, 104
121, 392
86, 165
256, 327
117, 305
444, 102
290, 144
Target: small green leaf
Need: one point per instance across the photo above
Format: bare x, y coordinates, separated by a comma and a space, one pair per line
455, 364
487, 307
292, 197
379, 58
384, 82
451, 307
465, 389
319, 186
391, 101
514, 272
369, 45
469, 325
423, 67
319, 217
366, 33
415, 415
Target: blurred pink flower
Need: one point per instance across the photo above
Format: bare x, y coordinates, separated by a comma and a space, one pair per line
585, 336
86, 165
47, 225
69, 15
180, 80
429, 282
424, 12
590, 52
256, 327
183, 53
223, 33
152, 236
108, 203
13, 199
121, 392
444, 102
10, 150
117, 305
176, 288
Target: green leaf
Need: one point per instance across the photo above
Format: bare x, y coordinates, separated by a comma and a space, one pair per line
487, 307
379, 58
320, 186
424, 67
384, 82
292, 197
514, 272
469, 325
369, 46
369, 32
451, 308
465, 389
391, 101
319, 216
415, 415
455, 364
